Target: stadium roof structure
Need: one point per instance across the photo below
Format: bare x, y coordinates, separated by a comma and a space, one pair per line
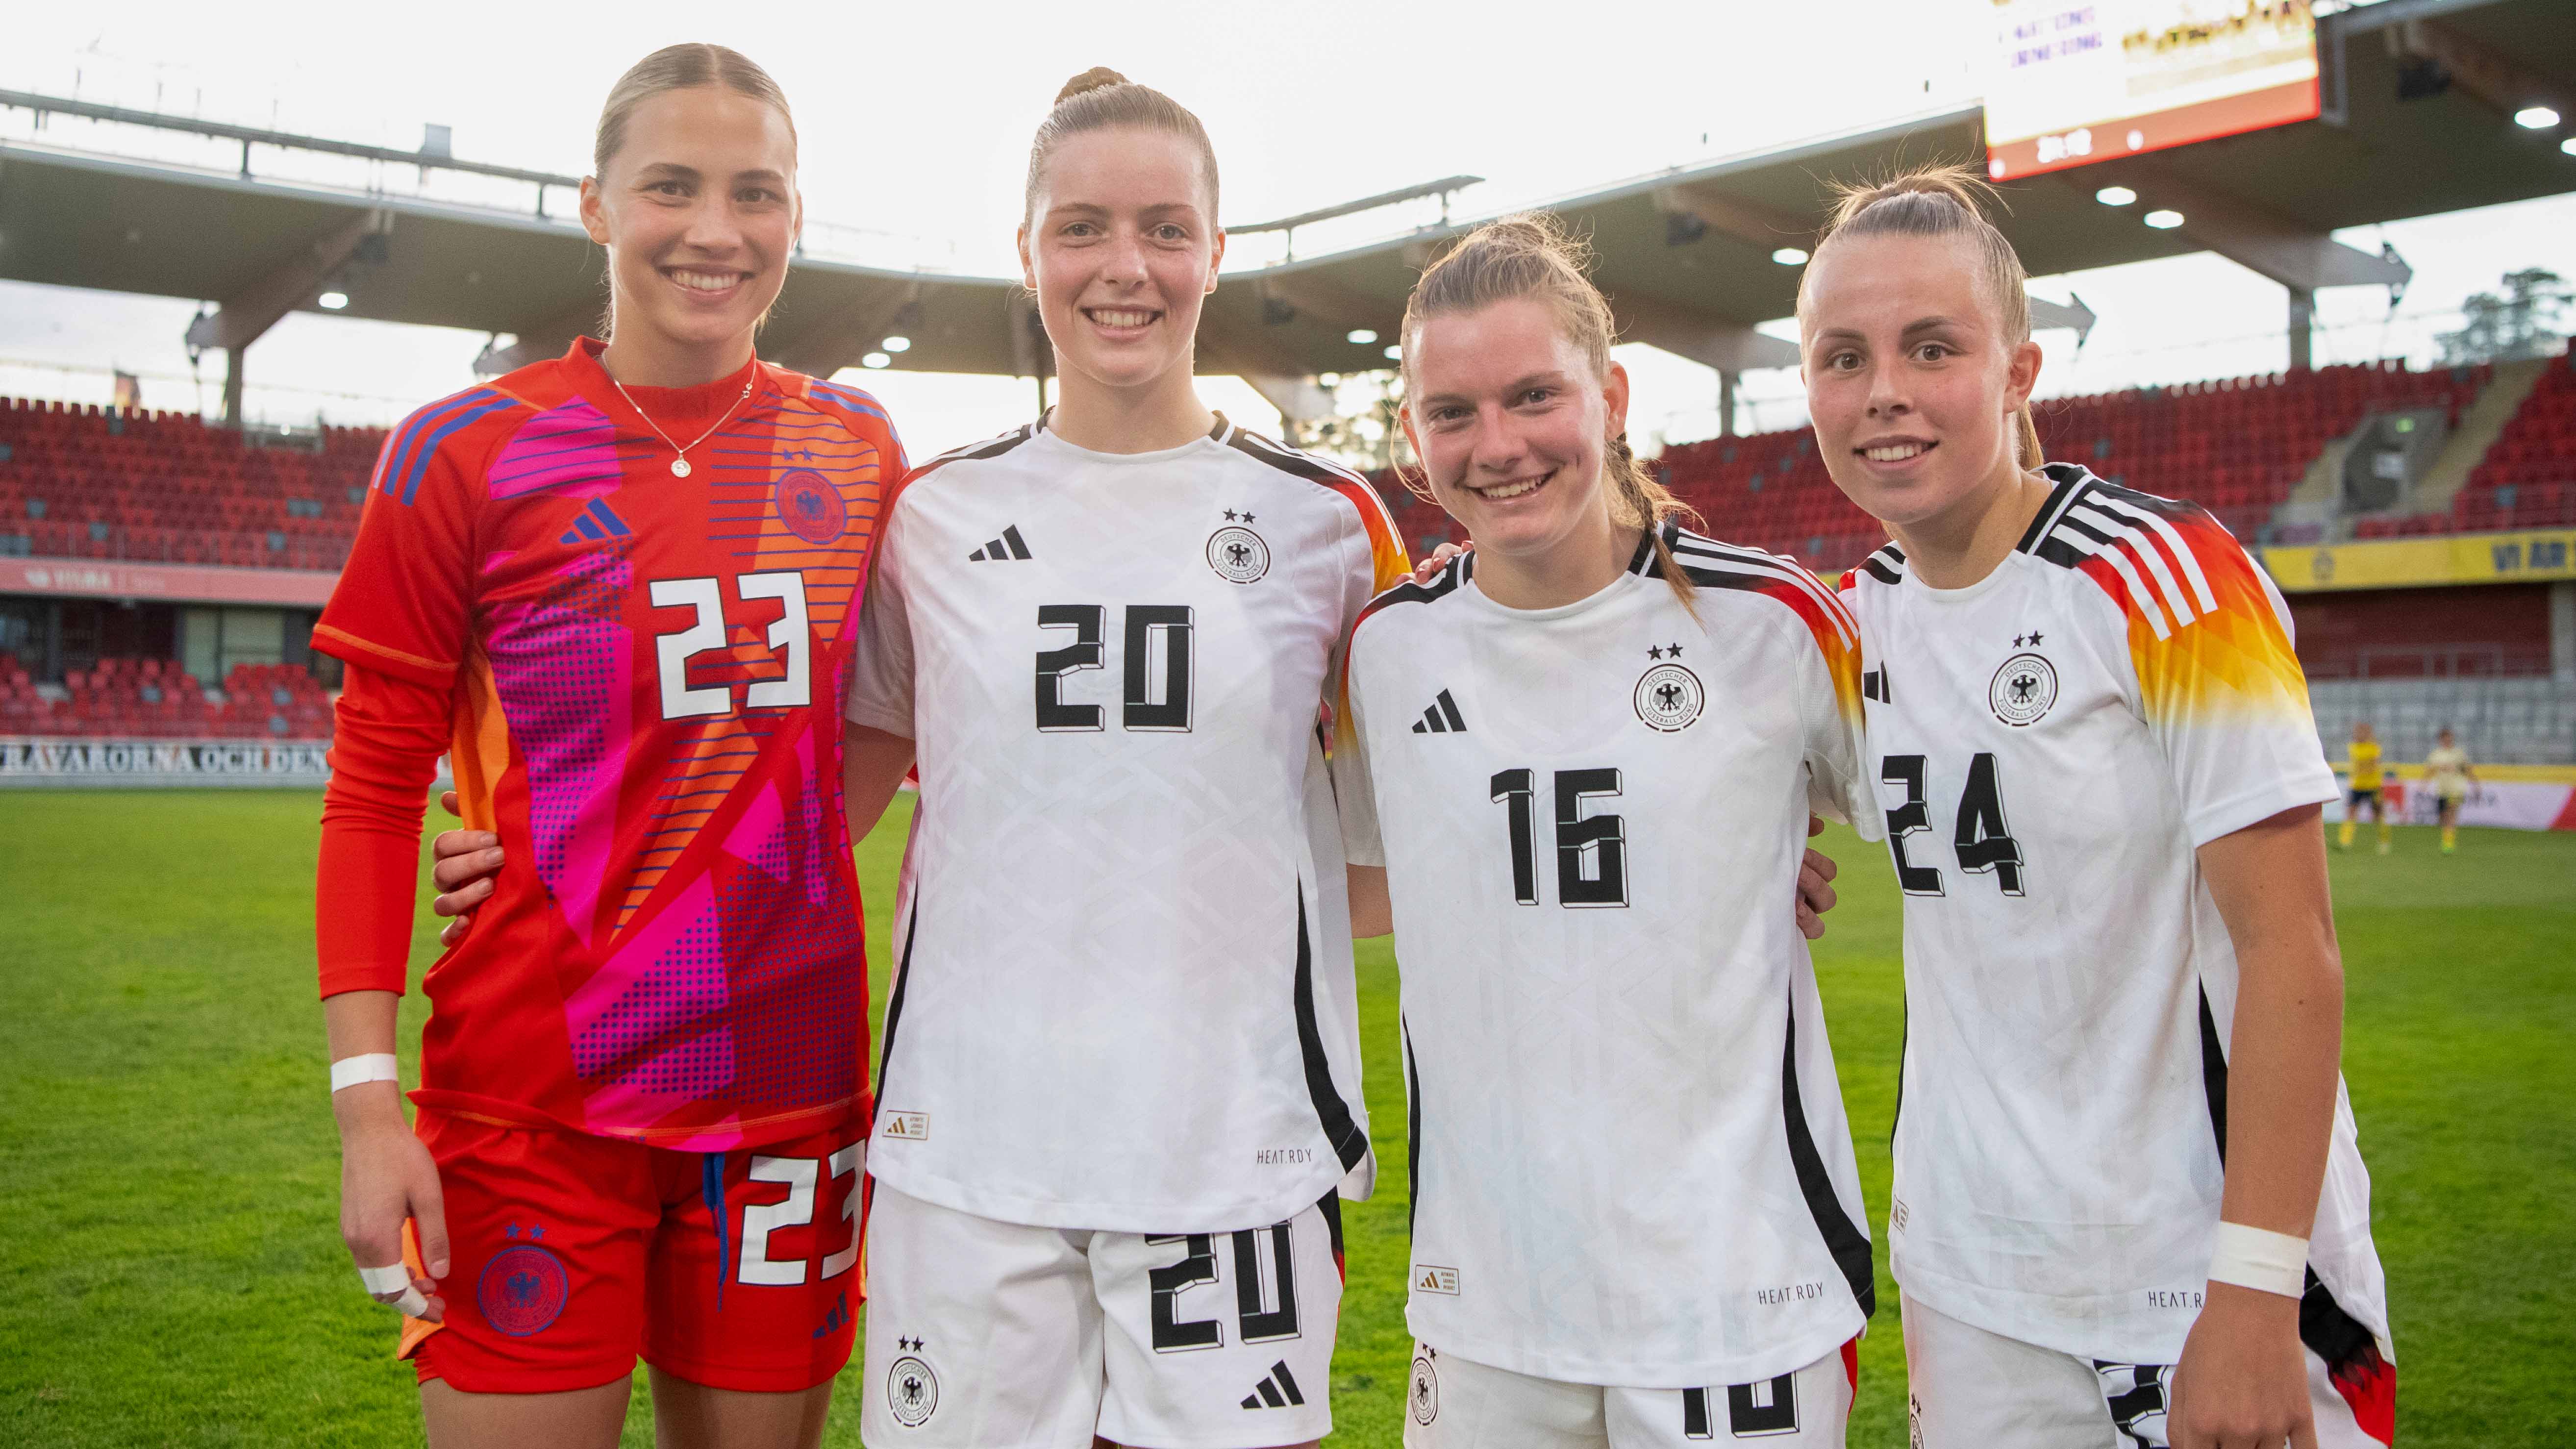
1686, 254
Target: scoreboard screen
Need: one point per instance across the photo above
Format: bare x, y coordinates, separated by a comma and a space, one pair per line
2076, 81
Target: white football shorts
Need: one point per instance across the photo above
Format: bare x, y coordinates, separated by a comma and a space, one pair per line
1978, 1390
1456, 1404
993, 1335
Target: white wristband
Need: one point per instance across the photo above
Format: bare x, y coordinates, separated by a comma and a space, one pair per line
2264, 1261
348, 1072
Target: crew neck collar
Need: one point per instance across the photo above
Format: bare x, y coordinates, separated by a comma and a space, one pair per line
698, 398
1216, 436
1625, 578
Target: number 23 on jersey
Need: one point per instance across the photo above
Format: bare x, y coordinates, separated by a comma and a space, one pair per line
705, 634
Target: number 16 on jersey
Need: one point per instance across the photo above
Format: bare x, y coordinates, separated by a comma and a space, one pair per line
1591, 850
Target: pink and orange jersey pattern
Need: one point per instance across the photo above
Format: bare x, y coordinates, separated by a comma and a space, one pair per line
645, 677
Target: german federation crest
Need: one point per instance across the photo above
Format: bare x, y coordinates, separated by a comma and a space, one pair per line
810, 506
2022, 690
912, 1391
1425, 1394
522, 1290
1668, 695
1237, 553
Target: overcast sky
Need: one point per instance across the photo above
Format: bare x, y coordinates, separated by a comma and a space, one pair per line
915, 123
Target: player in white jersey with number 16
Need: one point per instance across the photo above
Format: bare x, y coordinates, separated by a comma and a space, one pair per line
1585, 754
2127, 1208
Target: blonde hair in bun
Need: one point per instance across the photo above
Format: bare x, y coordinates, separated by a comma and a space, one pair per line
1100, 98
1090, 80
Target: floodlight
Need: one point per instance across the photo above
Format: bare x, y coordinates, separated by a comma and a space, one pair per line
334, 301
1362, 337
1394, 354
876, 359
2535, 118
2568, 145
1328, 379
2163, 220
897, 344
2115, 196
1789, 257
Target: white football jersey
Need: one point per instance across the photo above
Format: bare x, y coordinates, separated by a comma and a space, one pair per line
2051, 745
1124, 995
1631, 1165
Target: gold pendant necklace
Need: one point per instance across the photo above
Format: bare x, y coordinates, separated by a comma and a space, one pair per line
679, 454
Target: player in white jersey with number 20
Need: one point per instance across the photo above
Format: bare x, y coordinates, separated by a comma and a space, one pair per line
2128, 1207
1120, 1082
1586, 754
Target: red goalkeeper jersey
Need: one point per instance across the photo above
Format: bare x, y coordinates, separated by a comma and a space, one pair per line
643, 677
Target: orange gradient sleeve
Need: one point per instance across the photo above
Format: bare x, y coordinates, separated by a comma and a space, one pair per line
2219, 682
1837, 789
1388, 565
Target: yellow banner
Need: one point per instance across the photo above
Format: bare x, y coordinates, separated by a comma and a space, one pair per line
2391, 563
2499, 774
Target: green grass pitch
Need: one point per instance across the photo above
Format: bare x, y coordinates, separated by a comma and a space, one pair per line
170, 1270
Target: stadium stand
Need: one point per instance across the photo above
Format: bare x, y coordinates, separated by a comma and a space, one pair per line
2527, 479
2236, 446
92, 483
88, 482
153, 699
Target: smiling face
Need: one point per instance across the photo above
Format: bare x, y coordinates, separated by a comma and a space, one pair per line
1513, 426
699, 211
1121, 248
1914, 385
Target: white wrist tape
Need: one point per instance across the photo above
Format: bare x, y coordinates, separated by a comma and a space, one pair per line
348, 1072
2264, 1261
394, 1279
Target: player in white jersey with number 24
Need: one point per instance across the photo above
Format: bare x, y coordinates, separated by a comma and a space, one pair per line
2128, 1208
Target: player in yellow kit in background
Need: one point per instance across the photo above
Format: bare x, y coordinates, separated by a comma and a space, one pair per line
2448, 776
2365, 789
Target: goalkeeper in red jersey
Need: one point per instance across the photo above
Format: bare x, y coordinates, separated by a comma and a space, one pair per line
614, 589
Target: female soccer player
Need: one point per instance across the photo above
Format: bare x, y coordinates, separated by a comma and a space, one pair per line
2447, 773
2367, 781
1120, 1073
616, 590
2127, 1202
1585, 754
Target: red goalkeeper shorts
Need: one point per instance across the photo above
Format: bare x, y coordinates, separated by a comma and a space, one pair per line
571, 1255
